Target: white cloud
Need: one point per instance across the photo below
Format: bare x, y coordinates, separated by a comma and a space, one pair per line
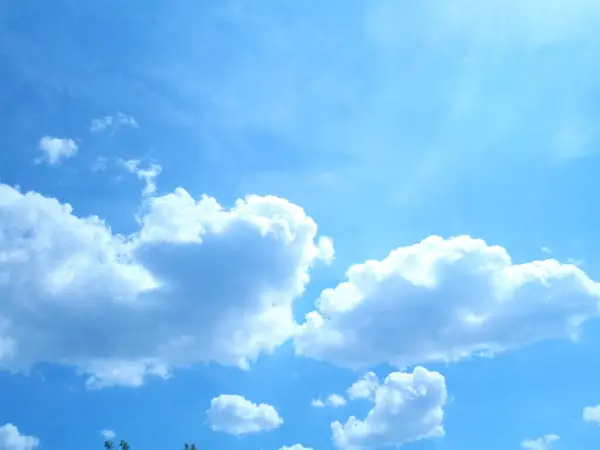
235, 415
407, 407
334, 400
295, 447
108, 434
445, 300
541, 443
56, 149
317, 403
591, 414
12, 439
112, 122
147, 175
364, 388
196, 283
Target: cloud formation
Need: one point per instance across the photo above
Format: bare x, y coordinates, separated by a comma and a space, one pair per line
235, 415
364, 388
12, 439
56, 149
591, 414
112, 123
197, 282
445, 300
147, 175
541, 443
407, 407
334, 400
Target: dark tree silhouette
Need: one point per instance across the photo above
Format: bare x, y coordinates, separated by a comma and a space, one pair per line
123, 445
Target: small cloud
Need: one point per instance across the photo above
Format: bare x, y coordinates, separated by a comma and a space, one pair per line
546, 250
235, 415
148, 175
407, 407
541, 443
56, 149
591, 414
108, 434
100, 164
334, 400
295, 447
112, 122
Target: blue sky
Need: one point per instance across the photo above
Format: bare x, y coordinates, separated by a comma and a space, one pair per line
271, 203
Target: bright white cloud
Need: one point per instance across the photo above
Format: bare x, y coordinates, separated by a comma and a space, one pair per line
444, 300
591, 414
108, 434
364, 388
334, 400
112, 122
147, 175
12, 439
295, 447
407, 407
541, 443
235, 415
197, 282
56, 149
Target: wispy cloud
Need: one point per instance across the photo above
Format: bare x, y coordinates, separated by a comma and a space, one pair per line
100, 164
334, 400
112, 123
148, 175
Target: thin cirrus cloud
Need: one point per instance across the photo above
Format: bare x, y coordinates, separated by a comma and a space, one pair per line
55, 150
221, 282
407, 407
12, 439
235, 415
445, 300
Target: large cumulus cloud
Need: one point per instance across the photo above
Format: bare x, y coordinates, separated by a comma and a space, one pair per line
444, 300
198, 282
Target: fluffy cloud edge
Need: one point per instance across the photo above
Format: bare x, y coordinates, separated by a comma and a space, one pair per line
235, 415
407, 407
483, 303
12, 439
